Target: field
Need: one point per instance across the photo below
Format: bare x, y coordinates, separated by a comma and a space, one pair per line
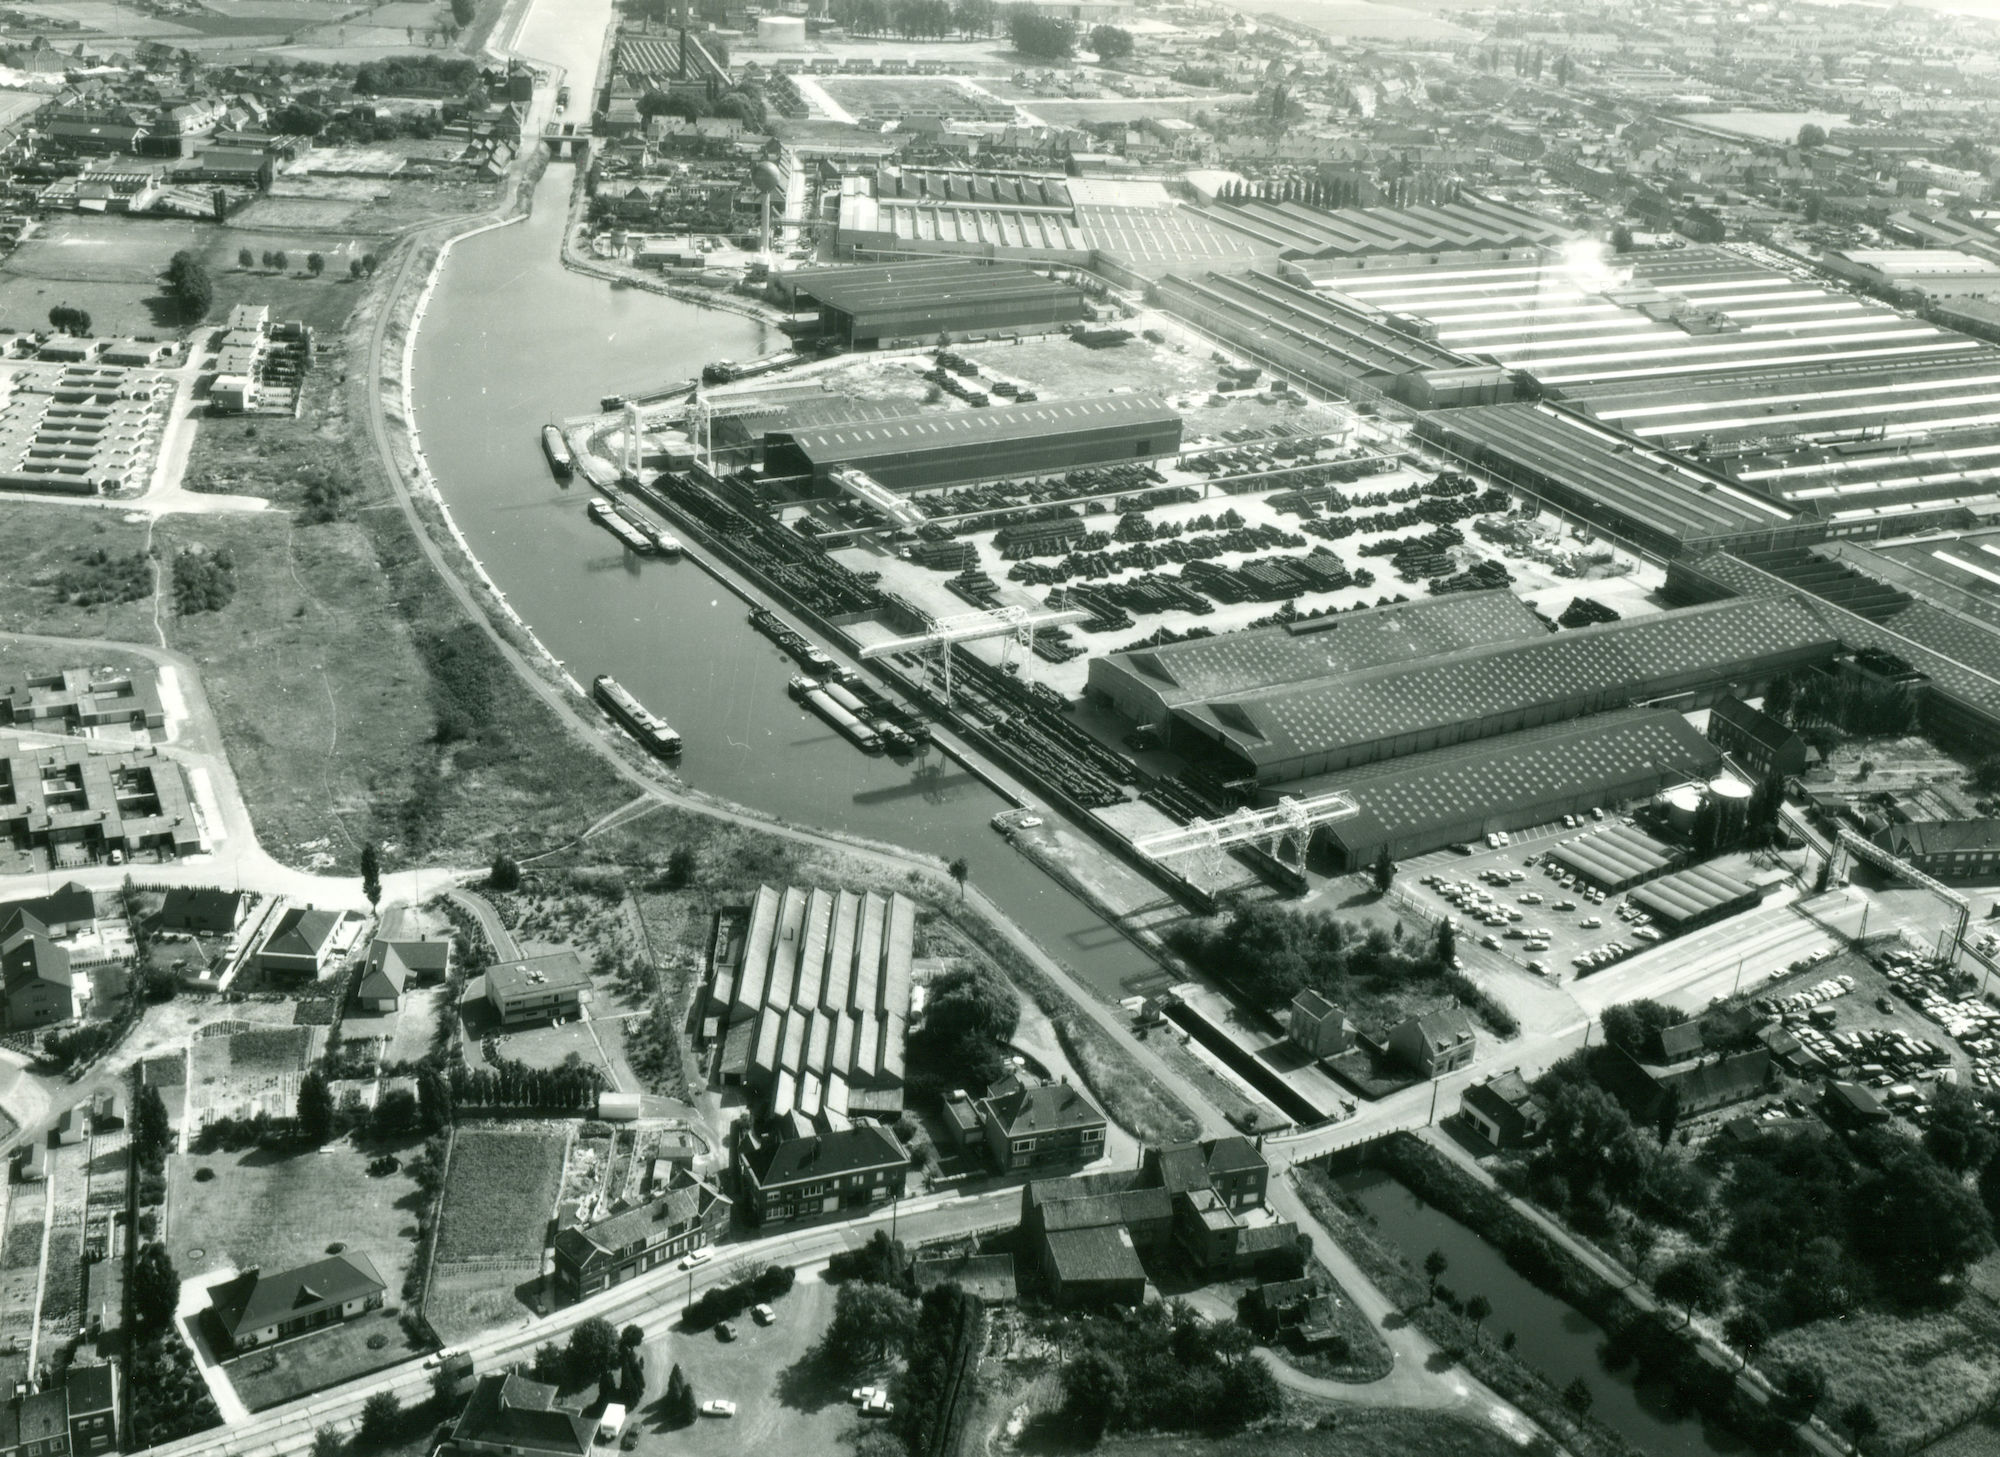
324, 1358
278, 1210
498, 1201
234, 1076
501, 1192
41, 544
1346, 1431
1921, 1373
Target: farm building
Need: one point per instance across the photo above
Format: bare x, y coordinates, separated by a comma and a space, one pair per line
808, 1006
1324, 723
950, 447
912, 303
1455, 795
1145, 685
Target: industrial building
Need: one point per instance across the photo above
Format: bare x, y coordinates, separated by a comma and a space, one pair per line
914, 302
1336, 721
809, 1000
1145, 685
1697, 896
952, 447
1936, 273
1613, 858
82, 806
1457, 795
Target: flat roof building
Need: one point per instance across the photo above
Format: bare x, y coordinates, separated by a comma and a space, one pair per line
80, 805
913, 302
951, 447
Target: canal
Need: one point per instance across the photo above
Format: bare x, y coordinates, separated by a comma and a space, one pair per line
1551, 1335
511, 340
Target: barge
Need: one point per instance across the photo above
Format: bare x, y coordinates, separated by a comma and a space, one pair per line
607, 515
845, 723
653, 732
561, 459
793, 642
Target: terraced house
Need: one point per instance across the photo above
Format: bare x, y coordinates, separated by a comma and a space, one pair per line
589, 1258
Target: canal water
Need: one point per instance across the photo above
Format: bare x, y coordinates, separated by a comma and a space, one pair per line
511, 340
1551, 1335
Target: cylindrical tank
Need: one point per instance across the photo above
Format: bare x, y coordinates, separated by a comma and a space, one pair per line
767, 180
781, 31
1682, 803
1730, 792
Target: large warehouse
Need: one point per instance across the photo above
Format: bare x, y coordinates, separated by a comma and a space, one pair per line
912, 303
1456, 795
1145, 685
809, 998
951, 447
1331, 722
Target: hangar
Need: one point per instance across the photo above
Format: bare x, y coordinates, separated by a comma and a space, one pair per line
1328, 723
1615, 858
1698, 896
950, 447
912, 303
1451, 796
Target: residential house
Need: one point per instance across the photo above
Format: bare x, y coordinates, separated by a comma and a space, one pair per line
803, 1168
1947, 849
205, 910
394, 965
35, 978
1504, 1110
511, 1416
35, 1424
1756, 739
1029, 1125
1655, 1095
1437, 1042
1230, 1166
255, 1310
1317, 1027
1682, 1041
97, 1114
300, 946
689, 1214
534, 988
92, 1395
62, 912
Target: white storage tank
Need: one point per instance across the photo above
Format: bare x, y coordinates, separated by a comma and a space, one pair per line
1682, 803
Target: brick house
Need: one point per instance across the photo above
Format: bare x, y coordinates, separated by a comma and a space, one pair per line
1040, 1125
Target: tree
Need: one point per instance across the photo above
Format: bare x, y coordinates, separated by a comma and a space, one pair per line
680, 867
1915, 1221
152, 1131
969, 1017
960, 871
245, 259
1093, 1388
315, 1108
1694, 1281
315, 264
1621, 238
1811, 136
188, 283
1447, 943
369, 263
1958, 1134
1747, 1333
1578, 1397
1858, 1420
593, 1348
1111, 43
1801, 1388
327, 1442
1385, 871
631, 1376
371, 869
354, 268
395, 1113
270, 259
463, 11
1040, 37
280, 260
870, 1323
1476, 1311
505, 875
1435, 1264
679, 1402
631, 1337
156, 1289
381, 1416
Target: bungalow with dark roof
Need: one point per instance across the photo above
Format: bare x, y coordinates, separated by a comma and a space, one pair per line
1040, 1125
1504, 1110
1437, 1042
690, 1213
300, 947
394, 965
206, 910
255, 1310
511, 1416
35, 979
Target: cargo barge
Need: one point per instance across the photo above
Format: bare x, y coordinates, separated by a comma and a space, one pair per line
773, 627
561, 459
605, 514
841, 706
652, 731
845, 723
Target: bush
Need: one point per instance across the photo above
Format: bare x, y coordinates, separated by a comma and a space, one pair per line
204, 581
100, 578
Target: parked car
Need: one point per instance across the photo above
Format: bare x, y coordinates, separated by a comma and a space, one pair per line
763, 1314
724, 1331
696, 1257
718, 1407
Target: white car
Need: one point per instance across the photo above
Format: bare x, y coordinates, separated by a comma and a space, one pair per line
696, 1257
862, 1395
718, 1407
1591, 923
878, 1405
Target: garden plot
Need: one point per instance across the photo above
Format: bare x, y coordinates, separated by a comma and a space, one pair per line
240, 1071
499, 1198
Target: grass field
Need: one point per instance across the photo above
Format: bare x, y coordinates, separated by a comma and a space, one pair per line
277, 1210
1362, 1431
1921, 1373
40, 545
501, 1193
324, 1358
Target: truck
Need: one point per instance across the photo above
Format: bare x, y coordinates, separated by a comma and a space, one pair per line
611, 1423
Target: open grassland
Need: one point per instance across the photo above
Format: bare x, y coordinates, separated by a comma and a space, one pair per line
1923, 1374
1363, 1431
72, 571
500, 1194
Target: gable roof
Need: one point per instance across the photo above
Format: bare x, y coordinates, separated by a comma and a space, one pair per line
1104, 1252
391, 964
28, 956
71, 902
89, 1389
1442, 1029
302, 931
1754, 724
509, 1410
824, 1155
1683, 1040
1942, 837
1023, 1111
252, 1300
204, 903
